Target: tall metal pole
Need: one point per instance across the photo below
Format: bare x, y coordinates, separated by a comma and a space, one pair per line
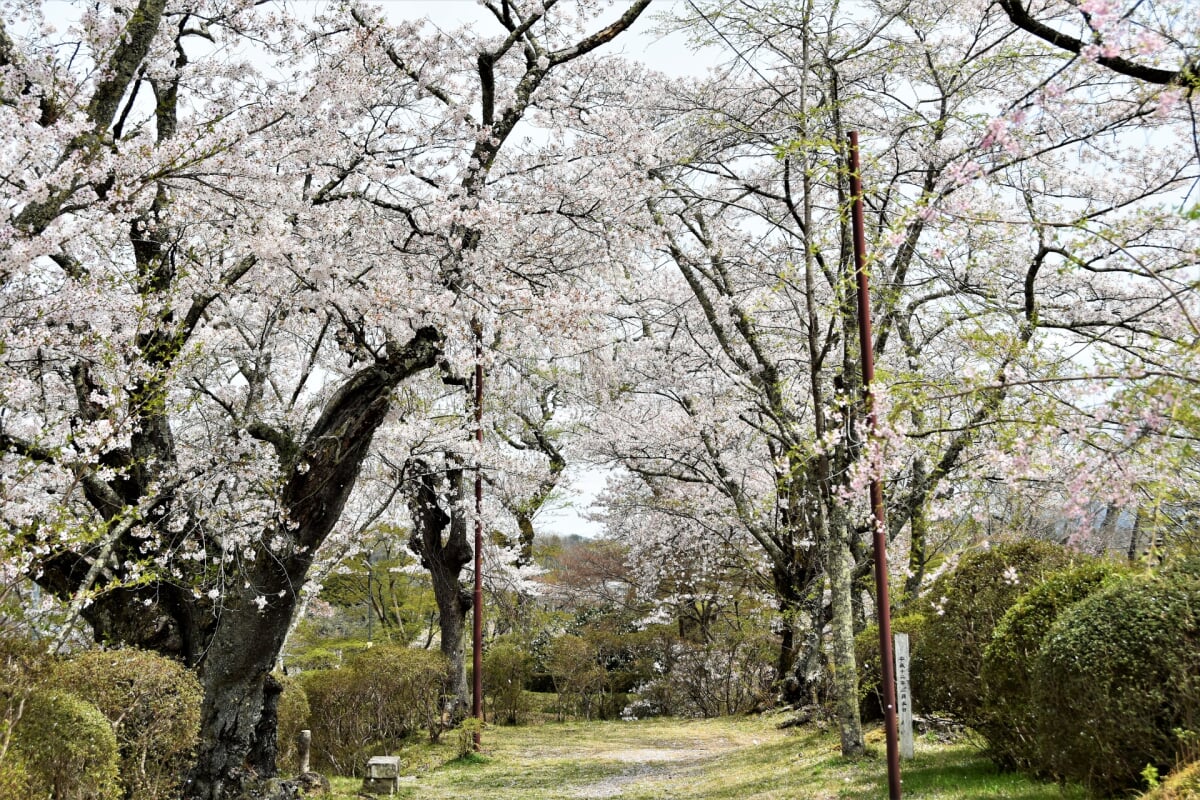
883, 605
477, 604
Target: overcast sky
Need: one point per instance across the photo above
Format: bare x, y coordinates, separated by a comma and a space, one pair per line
669, 54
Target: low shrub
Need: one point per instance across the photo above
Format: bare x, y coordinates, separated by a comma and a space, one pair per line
67, 748
1182, 784
315, 658
370, 705
962, 609
730, 674
1118, 680
507, 668
1009, 717
14, 780
866, 655
579, 680
293, 715
153, 705
23, 665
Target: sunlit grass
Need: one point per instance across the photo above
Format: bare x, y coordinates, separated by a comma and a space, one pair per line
728, 759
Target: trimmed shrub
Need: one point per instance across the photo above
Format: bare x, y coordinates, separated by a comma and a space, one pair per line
293, 715
22, 667
67, 748
870, 679
369, 706
962, 610
315, 658
1010, 716
153, 705
507, 668
1118, 681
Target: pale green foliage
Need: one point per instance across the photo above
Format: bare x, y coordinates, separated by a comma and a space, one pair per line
67, 748
507, 667
14, 781
293, 715
464, 735
578, 677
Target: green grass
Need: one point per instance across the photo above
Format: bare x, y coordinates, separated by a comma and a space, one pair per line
726, 759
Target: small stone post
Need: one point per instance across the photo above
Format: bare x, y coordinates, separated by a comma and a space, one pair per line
304, 746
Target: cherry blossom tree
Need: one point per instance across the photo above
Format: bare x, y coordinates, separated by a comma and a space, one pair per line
1012, 271
231, 237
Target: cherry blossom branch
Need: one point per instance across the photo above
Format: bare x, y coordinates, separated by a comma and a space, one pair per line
1187, 76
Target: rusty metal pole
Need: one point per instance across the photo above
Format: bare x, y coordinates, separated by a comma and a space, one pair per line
477, 604
883, 605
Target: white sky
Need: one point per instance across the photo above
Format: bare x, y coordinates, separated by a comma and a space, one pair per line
669, 54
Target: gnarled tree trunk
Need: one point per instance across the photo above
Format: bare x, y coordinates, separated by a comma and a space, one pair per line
439, 538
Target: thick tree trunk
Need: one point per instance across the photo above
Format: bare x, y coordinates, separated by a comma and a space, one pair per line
452, 622
232, 641
789, 688
808, 669
238, 718
238, 721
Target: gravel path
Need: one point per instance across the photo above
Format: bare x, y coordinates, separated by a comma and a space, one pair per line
651, 764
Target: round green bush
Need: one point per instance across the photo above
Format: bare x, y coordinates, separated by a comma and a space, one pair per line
1118, 679
866, 656
1009, 716
67, 748
153, 705
962, 609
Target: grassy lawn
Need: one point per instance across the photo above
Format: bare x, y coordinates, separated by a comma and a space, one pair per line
726, 759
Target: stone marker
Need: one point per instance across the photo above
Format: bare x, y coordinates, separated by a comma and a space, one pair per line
383, 775
904, 713
304, 747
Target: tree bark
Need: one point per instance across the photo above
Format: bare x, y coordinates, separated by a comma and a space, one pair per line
439, 538
840, 569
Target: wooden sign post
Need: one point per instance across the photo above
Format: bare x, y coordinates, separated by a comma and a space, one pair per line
904, 696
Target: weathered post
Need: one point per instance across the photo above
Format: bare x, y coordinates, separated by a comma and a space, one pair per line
304, 746
904, 696
882, 599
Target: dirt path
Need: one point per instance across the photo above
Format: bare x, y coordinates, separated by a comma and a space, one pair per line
651, 764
